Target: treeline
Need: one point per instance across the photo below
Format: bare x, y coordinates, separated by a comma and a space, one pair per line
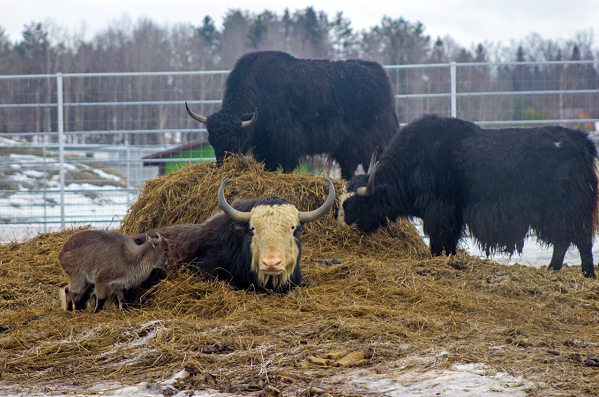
308, 33
104, 109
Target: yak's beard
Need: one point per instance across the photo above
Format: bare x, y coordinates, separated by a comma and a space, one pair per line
275, 280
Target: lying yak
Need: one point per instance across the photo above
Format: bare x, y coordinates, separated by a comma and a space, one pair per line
499, 184
283, 109
108, 264
253, 244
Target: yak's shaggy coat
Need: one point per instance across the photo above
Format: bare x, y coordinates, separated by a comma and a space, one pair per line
497, 183
343, 109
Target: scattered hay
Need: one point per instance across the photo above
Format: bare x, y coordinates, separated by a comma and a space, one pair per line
380, 298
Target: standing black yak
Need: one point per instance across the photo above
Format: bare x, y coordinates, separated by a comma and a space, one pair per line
497, 183
284, 108
253, 244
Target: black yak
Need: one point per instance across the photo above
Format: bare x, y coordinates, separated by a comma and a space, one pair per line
283, 109
499, 184
253, 244
109, 264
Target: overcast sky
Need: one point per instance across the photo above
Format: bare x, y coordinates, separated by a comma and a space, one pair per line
467, 21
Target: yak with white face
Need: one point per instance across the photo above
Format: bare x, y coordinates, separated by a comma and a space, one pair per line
252, 244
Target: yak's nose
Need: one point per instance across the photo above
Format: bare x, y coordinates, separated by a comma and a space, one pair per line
271, 260
271, 263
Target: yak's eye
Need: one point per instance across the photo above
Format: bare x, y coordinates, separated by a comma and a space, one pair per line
252, 228
292, 227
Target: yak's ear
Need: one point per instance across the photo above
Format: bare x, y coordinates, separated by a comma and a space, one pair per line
240, 227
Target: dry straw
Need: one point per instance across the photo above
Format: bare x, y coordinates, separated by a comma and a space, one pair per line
375, 301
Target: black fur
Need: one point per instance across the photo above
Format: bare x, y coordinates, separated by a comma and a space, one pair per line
305, 107
497, 183
220, 248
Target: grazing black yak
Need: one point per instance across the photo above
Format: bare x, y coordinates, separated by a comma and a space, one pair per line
497, 183
284, 109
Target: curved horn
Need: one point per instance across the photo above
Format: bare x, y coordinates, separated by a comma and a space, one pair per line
372, 160
251, 121
201, 119
311, 216
150, 241
234, 214
368, 190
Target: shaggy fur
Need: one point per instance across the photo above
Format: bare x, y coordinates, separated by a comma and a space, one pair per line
227, 250
344, 109
109, 264
497, 183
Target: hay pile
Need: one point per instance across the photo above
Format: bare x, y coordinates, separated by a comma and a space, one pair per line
379, 305
190, 196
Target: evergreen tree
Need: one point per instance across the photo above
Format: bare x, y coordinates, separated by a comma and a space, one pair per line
343, 38
34, 49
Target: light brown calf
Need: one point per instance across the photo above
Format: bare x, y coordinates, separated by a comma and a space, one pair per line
109, 263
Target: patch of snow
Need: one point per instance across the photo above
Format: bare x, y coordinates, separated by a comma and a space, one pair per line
457, 380
31, 202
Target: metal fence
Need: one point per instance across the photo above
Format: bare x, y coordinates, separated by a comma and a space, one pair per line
73, 145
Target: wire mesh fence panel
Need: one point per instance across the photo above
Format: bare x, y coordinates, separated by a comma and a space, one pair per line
421, 89
121, 129
522, 93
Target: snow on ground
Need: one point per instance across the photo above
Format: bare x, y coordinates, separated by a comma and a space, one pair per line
467, 380
471, 379
30, 196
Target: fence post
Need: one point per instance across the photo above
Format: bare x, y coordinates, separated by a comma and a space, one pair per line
453, 74
60, 116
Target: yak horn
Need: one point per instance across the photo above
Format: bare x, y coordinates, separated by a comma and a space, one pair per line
150, 241
234, 214
372, 160
201, 119
310, 216
251, 121
368, 190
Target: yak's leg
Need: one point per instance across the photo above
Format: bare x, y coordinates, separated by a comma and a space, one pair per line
586, 259
86, 296
99, 303
119, 295
349, 155
347, 170
271, 167
443, 225
444, 243
287, 164
80, 294
347, 164
101, 295
559, 251
67, 300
